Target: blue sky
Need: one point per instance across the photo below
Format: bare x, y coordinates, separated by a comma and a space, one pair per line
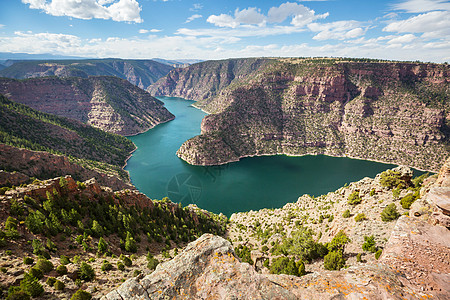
208, 29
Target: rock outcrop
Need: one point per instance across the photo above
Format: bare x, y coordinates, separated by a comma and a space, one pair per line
141, 73
385, 111
209, 269
44, 165
109, 103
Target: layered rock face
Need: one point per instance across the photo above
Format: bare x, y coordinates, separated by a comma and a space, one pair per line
205, 80
141, 73
389, 112
108, 103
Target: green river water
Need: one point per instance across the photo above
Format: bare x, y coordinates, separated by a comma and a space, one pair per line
250, 184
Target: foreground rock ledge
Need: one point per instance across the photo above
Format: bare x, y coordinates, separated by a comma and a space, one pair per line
209, 269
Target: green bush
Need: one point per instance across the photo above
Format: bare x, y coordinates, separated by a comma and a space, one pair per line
358, 257
372, 192
59, 285
391, 179
120, 266
338, 242
31, 286
284, 265
126, 260
86, 272
51, 281
130, 243
36, 272
378, 253
354, 198
44, 265
61, 270
18, 295
243, 252
346, 214
106, 266
334, 260
408, 200
360, 217
102, 246
64, 260
369, 244
389, 213
28, 260
81, 295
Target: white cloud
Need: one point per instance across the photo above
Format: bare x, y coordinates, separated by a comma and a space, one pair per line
301, 16
155, 30
407, 38
418, 6
143, 31
2, 25
116, 10
219, 47
193, 17
196, 7
339, 30
433, 24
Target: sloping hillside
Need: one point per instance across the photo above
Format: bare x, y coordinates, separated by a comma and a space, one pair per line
23, 127
109, 103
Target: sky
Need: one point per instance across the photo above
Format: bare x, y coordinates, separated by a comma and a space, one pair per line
406, 30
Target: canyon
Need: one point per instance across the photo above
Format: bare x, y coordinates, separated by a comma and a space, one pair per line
393, 112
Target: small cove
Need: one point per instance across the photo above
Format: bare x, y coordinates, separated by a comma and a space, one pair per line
250, 184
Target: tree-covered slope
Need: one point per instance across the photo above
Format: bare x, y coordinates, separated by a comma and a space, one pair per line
141, 73
23, 127
105, 102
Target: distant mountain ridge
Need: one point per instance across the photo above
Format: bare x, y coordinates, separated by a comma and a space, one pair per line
394, 112
141, 73
109, 103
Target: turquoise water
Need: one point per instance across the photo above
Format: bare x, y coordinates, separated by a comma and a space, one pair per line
250, 184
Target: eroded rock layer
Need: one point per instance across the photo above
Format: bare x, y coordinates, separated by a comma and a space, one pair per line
108, 103
385, 111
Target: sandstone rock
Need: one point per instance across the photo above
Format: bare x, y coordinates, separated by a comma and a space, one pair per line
208, 269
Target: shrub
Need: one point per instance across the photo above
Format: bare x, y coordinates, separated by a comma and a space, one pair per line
264, 248
152, 263
360, 217
130, 243
378, 253
354, 198
358, 257
136, 272
126, 260
372, 192
61, 270
106, 266
59, 285
44, 265
28, 260
346, 214
391, 179
408, 200
86, 272
369, 244
243, 252
120, 266
31, 286
36, 273
334, 260
81, 295
338, 242
18, 295
51, 281
389, 213
284, 265
64, 260
102, 246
